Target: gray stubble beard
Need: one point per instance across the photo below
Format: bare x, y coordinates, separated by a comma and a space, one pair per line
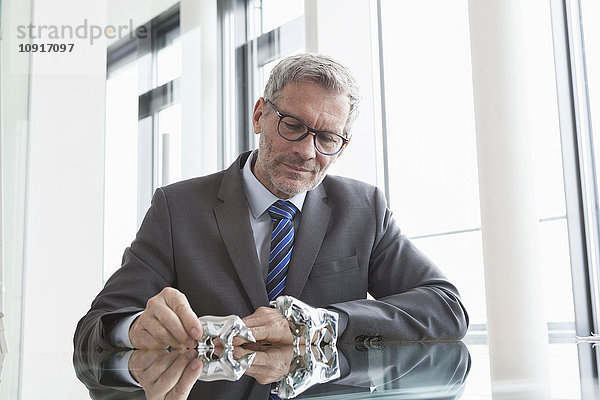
274, 180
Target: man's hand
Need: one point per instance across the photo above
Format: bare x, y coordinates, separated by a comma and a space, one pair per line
167, 321
165, 375
268, 325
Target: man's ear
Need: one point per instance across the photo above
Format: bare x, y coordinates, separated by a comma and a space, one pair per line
258, 114
344, 148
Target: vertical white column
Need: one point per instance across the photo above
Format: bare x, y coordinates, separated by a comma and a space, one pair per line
166, 159
198, 87
516, 317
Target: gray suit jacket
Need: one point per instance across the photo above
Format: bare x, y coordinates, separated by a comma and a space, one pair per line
197, 237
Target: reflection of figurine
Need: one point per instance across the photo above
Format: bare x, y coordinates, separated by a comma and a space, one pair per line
307, 322
316, 365
225, 367
224, 328
410, 370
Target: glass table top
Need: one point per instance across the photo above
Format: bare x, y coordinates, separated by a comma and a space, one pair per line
444, 370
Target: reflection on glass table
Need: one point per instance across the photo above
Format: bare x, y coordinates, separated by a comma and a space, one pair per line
412, 370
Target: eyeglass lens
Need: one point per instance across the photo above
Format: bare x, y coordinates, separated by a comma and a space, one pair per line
326, 142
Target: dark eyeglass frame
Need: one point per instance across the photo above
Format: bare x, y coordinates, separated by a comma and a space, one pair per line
315, 132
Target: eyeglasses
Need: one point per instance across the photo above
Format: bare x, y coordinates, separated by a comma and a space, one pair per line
292, 129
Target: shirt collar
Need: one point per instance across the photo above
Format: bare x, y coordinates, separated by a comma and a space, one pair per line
259, 197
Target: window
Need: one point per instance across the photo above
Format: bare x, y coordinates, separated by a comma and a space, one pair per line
281, 35
430, 136
432, 151
120, 171
576, 48
430, 170
432, 155
143, 128
590, 52
275, 13
254, 35
431, 139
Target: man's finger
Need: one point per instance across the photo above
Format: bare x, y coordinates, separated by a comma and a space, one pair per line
238, 341
170, 321
180, 305
239, 352
260, 333
162, 324
267, 324
160, 333
260, 359
262, 316
171, 375
273, 334
150, 378
143, 359
265, 374
141, 338
189, 377
147, 342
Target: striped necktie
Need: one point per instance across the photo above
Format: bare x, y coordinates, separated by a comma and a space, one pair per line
282, 242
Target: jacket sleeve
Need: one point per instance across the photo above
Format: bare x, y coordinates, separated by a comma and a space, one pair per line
414, 301
146, 269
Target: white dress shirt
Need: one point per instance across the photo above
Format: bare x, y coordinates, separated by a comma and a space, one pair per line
259, 201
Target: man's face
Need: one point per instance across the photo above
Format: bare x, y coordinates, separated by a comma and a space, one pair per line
287, 168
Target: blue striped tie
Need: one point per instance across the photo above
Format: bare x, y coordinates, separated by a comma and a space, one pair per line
282, 242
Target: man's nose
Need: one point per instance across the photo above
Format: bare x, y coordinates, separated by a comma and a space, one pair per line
305, 148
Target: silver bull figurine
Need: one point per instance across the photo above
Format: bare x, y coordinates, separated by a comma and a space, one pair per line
224, 328
225, 367
308, 322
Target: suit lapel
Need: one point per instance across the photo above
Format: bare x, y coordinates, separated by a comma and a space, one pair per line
308, 239
234, 224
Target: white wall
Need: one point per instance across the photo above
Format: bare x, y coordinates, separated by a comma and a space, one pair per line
63, 239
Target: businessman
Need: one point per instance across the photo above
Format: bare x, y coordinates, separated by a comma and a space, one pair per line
275, 223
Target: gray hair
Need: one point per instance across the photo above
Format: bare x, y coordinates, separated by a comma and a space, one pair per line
319, 69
